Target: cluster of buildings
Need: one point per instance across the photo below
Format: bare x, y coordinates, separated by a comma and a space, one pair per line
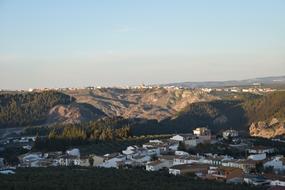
166, 154
100, 87
255, 89
71, 157
240, 89
24, 142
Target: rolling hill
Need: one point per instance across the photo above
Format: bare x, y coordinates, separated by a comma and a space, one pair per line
147, 111
156, 103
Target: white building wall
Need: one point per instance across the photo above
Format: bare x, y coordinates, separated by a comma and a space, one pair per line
277, 183
174, 171
257, 157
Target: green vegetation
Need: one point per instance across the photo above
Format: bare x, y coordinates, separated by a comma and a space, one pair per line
98, 137
22, 109
278, 146
220, 149
10, 154
266, 107
100, 178
61, 137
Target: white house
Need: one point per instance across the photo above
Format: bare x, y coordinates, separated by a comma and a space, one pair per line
276, 180
85, 161
173, 147
181, 153
27, 147
245, 165
177, 169
257, 157
97, 160
156, 141
179, 160
129, 151
212, 160
140, 160
169, 159
177, 138
278, 163
260, 150
69, 160
163, 146
202, 131
158, 165
198, 169
113, 162
30, 159
73, 152
192, 142
230, 133
153, 151
277, 183
256, 180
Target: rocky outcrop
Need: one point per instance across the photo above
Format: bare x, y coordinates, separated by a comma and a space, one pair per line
156, 103
267, 129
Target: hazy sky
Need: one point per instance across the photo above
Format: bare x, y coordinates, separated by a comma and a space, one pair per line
57, 43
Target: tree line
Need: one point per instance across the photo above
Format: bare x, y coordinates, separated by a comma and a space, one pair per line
61, 137
23, 109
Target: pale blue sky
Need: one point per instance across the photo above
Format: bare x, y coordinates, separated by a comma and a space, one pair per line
60, 43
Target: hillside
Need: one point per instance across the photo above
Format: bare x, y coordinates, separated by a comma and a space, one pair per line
156, 103
19, 109
147, 111
37, 108
231, 113
73, 113
216, 114
266, 107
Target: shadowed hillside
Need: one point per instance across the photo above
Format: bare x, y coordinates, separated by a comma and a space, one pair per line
29, 108
147, 111
156, 103
37, 108
235, 113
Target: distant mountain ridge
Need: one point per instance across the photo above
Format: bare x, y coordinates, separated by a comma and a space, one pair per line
272, 80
